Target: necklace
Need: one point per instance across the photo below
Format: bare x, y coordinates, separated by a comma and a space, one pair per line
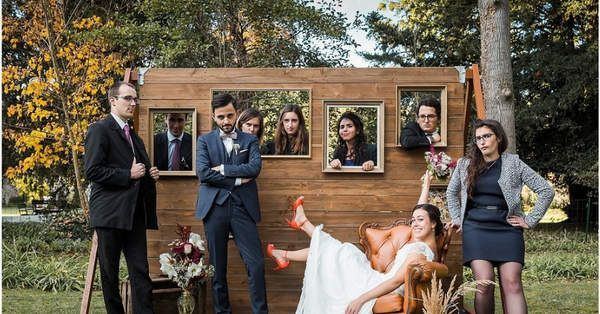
491, 165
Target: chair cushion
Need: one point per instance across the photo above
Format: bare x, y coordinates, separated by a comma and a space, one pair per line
383, 244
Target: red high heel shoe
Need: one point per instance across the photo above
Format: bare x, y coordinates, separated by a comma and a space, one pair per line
281, 263
292, 223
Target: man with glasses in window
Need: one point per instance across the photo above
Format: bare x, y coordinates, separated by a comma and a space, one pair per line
425, 131
122, 199
173, 148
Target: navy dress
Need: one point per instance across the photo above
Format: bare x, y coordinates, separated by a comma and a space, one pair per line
486, 233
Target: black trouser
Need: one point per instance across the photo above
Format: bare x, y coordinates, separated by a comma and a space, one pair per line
231, 217
133, 244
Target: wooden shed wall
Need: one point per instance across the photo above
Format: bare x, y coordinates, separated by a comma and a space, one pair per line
341, 201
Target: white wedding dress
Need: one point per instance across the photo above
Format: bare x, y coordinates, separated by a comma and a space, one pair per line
337, 273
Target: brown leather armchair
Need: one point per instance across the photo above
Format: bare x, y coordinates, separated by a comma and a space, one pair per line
381, 242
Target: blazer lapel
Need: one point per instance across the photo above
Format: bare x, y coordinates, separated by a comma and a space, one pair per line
217, 145
120, 133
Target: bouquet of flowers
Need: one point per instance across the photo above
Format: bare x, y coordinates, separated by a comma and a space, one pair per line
185, 263
439, 164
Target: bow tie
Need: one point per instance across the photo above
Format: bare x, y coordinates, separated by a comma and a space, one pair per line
232, 135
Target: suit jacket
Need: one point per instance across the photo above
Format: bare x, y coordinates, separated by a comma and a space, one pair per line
161, 151
245, 163
114, 195
412, 136
513, 174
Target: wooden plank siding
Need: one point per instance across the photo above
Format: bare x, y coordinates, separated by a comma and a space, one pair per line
340, 201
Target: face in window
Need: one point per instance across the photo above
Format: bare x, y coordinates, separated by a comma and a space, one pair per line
427, 119
176, 123
347, 130
251, 126
290, 123
225, 117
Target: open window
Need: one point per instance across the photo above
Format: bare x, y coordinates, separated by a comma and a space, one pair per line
286, 117
173, 140
353, 134
409, 119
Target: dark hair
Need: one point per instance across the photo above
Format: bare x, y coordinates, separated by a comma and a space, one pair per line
477, 164
300, 141
430, 101
360, 145
434, 215
250, 114
222, 100
185, 115
113, 91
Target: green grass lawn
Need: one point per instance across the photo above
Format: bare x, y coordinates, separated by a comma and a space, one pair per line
554, 297
37, 301
542, 297
10, 210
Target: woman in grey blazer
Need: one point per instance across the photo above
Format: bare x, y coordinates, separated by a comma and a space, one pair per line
484, 200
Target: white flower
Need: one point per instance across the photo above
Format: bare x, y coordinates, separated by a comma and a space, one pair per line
196, 240
166, 265
187, 248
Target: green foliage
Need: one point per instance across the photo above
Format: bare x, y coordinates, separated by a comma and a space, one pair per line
234, 33
555, 65
36, 255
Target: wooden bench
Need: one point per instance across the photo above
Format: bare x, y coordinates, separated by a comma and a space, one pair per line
24, 210
43, 207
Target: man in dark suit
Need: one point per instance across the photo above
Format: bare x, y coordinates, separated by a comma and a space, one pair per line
227, 162
424, 132
173, 148
122, 199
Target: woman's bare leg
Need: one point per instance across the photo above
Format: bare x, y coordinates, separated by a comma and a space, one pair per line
297, 256
301, 219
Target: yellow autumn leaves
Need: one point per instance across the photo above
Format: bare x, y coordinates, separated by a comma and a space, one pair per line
54, 95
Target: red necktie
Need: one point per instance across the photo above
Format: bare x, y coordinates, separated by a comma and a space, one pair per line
127, 135
176, 158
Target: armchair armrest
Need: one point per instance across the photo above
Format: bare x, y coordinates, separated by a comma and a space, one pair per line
418, 277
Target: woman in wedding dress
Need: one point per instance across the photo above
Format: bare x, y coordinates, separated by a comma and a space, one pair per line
338, 277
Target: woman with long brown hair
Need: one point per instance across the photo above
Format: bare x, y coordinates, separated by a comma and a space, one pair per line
484, 200
291, 135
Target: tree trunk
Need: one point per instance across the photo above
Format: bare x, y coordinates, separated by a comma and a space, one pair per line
496, 67
64, 103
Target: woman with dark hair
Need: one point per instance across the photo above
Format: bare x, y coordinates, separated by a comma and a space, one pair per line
338, 277
251, 121
352, 149
291, 135
484, 200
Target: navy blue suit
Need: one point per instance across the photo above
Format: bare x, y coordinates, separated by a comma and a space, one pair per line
226, 208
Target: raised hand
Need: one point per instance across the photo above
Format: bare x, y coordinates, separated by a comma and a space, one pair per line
137, 170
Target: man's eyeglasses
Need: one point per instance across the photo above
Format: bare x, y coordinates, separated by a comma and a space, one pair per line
129, 98
483, 137
427, 116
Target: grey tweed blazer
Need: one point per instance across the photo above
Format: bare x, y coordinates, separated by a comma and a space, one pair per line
513, 175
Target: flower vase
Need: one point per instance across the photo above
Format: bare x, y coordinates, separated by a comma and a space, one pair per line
186, 302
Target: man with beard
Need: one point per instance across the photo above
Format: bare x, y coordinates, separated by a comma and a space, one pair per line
227, 162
